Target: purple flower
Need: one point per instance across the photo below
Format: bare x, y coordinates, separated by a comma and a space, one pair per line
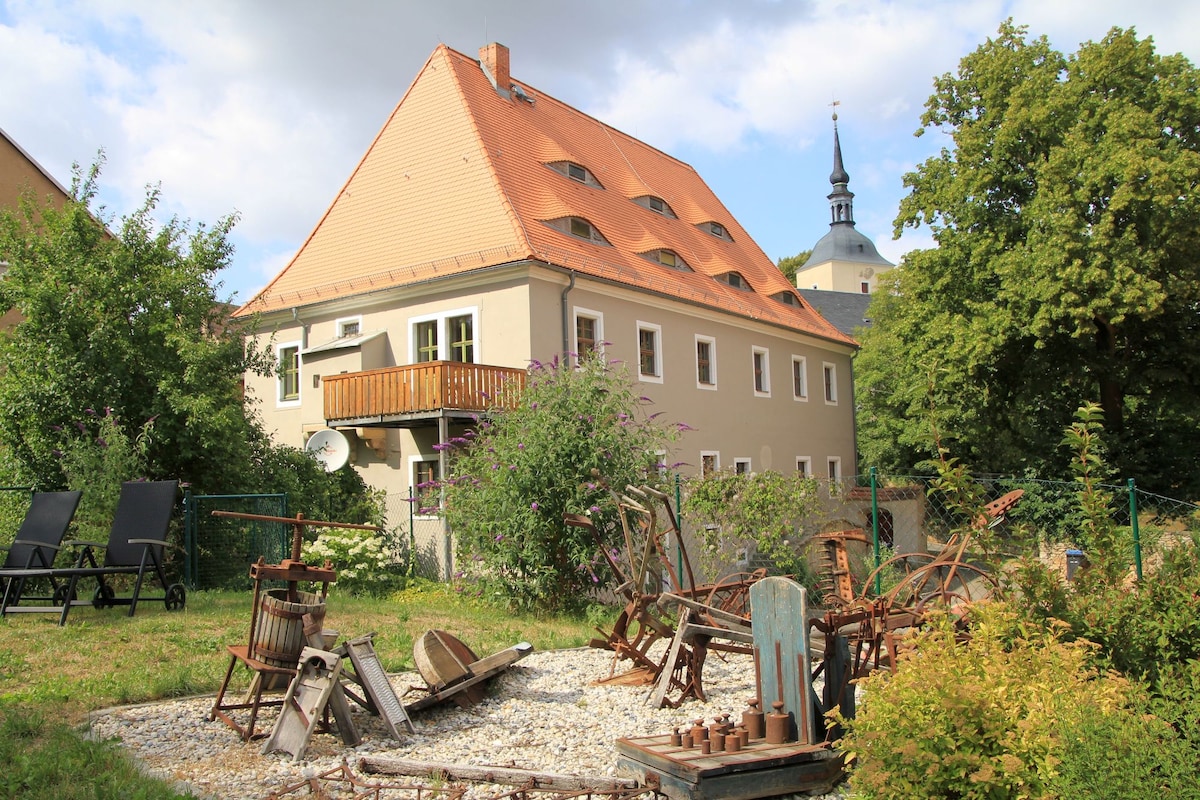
512, 467
91, 412
440, 446
81, 426
683, 426
533, 405
101, 442
520, 445
594, 509
499, 537
56, 428
534, 505
591, 486
495, 466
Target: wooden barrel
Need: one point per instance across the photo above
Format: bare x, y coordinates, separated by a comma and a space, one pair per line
279, 634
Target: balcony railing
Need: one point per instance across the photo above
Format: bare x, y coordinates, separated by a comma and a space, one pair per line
394, 394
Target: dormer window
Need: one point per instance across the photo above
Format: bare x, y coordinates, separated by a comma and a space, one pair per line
668, 258
655, 204
734, 279
576, 172
787, 298
578, 226
715, 229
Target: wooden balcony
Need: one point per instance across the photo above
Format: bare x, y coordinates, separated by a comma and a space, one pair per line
416, 394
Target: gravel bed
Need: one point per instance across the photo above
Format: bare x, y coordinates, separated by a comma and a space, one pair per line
545, 713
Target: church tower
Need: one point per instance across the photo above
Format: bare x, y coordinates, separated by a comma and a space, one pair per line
844, 260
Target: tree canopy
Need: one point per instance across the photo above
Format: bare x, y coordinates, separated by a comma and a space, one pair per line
1067, 222
789, 264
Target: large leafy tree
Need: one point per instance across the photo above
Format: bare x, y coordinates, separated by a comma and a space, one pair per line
1067, 222
120, 318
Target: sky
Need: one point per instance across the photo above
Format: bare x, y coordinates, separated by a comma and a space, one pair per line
262, 108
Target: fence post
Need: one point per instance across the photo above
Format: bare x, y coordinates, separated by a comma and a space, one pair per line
875, 528
1133, 524
189, 541
679, 532
412, 533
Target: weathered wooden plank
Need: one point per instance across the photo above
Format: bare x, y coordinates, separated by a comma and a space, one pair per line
506, 776
304, 702
779, 613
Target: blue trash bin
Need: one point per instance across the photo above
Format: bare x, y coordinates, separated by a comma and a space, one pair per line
1075, 560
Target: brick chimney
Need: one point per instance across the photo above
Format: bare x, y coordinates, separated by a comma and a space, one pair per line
494, 60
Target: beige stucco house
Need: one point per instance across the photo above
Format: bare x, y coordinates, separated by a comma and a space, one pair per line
489, 224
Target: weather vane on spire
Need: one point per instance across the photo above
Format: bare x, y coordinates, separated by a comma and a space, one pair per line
834, 106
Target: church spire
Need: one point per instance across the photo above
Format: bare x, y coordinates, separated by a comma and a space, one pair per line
841, 199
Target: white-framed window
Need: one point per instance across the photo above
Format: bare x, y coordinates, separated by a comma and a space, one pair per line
741, 466
589, 333
761, 363
799, 377
447, 336
287, 359
829, 371
423, 471
804, 465
710, 462
706, 362
649, 341
348, 326
834, 465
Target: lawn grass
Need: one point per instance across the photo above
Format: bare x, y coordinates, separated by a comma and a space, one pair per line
51, 677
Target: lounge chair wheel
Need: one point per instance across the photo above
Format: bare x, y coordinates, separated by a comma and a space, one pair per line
60, 595
176, 597
104, 596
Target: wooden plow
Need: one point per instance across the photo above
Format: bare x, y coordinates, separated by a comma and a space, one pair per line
652, 586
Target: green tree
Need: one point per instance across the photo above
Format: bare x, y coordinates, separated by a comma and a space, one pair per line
1067, 222
789, 264
123, 317
767, 511
524, 468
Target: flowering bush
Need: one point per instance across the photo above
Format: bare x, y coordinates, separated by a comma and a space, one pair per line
515, 476
359, 557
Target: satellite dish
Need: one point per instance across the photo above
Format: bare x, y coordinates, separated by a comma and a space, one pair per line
329, 447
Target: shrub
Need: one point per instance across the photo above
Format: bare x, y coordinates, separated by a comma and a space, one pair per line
766, 510
515, 476
98, 455
361, 559
975, 720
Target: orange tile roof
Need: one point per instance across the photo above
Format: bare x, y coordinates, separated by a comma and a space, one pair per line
458, 179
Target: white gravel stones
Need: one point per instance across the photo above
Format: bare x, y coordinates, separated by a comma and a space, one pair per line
545, 713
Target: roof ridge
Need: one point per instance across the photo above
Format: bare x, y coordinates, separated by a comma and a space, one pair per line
546, 96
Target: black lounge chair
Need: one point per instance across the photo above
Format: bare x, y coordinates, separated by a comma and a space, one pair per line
36, 543
135, 547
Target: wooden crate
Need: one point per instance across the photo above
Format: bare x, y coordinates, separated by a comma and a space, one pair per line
757, 770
